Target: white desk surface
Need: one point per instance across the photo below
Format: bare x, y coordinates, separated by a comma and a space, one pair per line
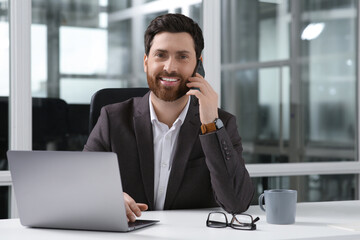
321, 220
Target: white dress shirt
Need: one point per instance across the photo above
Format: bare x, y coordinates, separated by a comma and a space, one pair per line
165, 140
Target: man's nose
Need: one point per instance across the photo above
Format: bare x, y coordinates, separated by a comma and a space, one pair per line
170, 65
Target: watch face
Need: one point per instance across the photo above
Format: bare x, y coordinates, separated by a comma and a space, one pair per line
219, 124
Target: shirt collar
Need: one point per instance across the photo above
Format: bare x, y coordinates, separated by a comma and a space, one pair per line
181, 117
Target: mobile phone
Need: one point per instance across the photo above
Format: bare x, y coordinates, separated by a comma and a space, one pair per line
200, 70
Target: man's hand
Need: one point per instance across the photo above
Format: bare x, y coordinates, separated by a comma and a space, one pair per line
208, 98
133, 208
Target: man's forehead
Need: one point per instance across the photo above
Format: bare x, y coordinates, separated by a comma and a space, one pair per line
178, 42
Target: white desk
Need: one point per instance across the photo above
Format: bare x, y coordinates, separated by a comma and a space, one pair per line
326, 220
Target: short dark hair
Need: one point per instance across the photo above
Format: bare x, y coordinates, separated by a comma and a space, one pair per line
174, 23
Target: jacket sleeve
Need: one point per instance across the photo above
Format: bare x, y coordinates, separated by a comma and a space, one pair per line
230, 180
99, 139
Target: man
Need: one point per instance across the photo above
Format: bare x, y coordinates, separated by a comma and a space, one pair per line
175, 148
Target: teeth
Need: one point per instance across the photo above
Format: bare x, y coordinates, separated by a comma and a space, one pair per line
169, 79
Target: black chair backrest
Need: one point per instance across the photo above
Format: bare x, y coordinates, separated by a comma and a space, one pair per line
108, 96
49, 122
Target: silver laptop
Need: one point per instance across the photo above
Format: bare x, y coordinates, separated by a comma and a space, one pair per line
70, 190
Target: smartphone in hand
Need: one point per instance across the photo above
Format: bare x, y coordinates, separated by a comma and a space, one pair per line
200, 70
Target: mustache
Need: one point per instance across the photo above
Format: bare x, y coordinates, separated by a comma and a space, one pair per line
172, 74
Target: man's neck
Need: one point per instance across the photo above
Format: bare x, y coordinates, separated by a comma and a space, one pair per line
168, 112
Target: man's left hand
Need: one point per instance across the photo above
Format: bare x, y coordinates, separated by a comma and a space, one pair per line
208, 98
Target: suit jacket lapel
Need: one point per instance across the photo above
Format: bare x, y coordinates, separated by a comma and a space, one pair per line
187, 136
144, 139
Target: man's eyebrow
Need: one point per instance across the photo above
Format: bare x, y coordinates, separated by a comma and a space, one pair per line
183, 52
178, 52
160, 50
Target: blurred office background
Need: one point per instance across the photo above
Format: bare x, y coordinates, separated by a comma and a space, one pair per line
289, 72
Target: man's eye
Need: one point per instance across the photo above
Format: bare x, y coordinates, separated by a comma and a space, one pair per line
183, 57
160, 55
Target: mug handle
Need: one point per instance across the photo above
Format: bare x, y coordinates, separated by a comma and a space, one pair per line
261, 198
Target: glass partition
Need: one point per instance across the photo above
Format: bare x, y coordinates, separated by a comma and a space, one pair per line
311, 188
289, 74
291, 69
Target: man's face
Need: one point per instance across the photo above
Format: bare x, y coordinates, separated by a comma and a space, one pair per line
171, 61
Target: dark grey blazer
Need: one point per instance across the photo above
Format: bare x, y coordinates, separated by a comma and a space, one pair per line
207, 170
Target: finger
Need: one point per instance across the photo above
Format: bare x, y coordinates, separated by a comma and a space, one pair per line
129, 214
198, 75
199, 80
194, 85
135, 209
131, 207
196, 79
143, 206
195, 92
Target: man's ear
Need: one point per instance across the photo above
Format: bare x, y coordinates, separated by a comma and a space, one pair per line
145, 62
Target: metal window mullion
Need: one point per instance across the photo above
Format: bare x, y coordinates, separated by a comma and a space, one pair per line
296, 141
254, 65
281, 137
303, 169
212, 50
20, 80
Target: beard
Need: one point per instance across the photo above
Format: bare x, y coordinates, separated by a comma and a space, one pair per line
167, 93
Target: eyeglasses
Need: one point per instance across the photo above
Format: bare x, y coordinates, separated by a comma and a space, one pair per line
238, 221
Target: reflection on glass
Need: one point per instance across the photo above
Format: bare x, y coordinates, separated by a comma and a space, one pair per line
269, 104
83, 50
80, 91
329, 75
39, 60
311, 114
262, 97
115, 6
119, 35
195, 12
4, 56
257, 37
312, 188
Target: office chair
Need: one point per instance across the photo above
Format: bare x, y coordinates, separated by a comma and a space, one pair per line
108, 96
49, 125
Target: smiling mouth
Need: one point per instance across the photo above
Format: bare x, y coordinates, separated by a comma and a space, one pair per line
169, 79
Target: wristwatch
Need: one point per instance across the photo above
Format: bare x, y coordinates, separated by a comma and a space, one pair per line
212, 127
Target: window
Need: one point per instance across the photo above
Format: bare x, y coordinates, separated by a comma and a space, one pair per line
289, 75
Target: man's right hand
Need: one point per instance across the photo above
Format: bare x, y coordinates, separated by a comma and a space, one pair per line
132, 208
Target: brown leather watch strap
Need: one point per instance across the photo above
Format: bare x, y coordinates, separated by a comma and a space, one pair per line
208, 128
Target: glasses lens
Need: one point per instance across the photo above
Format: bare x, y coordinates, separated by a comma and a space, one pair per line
216, 220
242, 221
